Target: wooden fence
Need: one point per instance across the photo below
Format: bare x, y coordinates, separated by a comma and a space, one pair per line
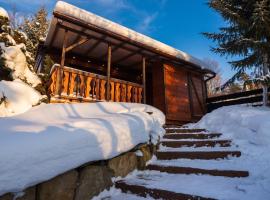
252, 97
78, 85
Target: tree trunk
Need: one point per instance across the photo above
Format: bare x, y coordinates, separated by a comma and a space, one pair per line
265, 95
264, 84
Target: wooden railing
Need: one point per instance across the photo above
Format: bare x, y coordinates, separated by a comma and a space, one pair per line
252, 97
85, 86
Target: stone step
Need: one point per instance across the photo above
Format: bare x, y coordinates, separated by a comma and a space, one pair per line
184, 130
192, 136
200, 143
203, 155
155, 193
190, 170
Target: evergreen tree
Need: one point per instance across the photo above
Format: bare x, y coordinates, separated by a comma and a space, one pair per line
35, 28
5, 30
247, 36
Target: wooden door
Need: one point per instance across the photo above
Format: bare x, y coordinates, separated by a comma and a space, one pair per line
176, 94
197, 98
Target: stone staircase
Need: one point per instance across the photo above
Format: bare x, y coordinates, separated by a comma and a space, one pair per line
182, 143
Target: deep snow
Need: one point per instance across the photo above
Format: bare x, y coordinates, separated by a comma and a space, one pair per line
53, 138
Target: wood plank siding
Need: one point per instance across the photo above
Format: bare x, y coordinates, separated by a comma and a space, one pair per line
177, 97
179, 93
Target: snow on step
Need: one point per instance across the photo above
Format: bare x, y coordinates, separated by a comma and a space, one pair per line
192, 136
222, 164
117, 194
199, 149
200, 185
190, 170
155, 193
205, 155
181, 130
199, 143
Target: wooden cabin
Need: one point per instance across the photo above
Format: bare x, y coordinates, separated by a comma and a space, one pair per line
91, 51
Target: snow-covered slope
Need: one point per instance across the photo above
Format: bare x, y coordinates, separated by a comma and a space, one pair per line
53, 138
249, 128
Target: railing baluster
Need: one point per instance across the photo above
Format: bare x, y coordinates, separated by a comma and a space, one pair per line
88, 87
82, 85
123, 93
129, 93
97, 89
117, 92
140, 95
52, 87
135, 94
65, 83
72, 84
112, 91
102, 89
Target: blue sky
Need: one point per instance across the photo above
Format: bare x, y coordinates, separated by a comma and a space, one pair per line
178, 23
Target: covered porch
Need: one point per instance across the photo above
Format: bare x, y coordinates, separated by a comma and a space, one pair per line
86, 61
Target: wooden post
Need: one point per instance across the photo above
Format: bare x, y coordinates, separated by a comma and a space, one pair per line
108, 72
62, 64
143, 72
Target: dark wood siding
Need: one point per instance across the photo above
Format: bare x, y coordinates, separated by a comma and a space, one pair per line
177, 96
158, 89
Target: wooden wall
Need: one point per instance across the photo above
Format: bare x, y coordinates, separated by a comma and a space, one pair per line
179, 93
158, 87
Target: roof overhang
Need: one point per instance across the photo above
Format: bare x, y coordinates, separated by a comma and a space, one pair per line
128, 46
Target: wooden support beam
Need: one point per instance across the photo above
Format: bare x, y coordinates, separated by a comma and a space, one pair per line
144, 79
80, 42
62, 64
108, 72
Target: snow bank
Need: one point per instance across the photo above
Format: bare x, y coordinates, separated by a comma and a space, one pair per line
3, 13
53, 138
249, 128
17, 97
15, 59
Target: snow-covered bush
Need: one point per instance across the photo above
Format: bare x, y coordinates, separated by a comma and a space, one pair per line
15, 67
17, 97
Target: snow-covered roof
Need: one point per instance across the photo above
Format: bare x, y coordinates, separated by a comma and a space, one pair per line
3, 13
92, 20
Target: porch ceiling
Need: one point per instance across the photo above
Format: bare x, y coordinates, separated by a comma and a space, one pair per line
96, 47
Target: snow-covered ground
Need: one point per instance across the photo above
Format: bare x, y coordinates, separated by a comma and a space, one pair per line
53, 138
249, 129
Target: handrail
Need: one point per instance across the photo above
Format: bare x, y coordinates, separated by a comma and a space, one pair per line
79, 84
